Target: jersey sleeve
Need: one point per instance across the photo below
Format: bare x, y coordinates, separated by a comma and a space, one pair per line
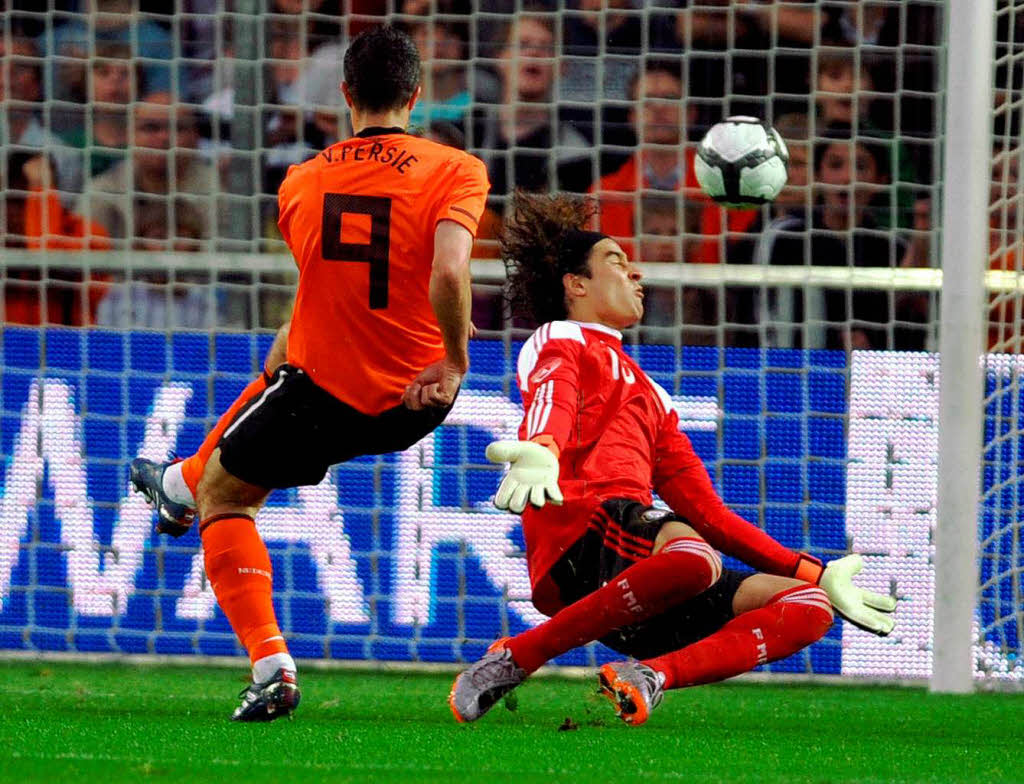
465, 195
549, 379
682, 481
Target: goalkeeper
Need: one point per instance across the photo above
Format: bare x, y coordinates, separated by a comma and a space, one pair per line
597, 437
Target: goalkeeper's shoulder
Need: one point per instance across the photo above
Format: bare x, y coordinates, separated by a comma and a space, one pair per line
556, 340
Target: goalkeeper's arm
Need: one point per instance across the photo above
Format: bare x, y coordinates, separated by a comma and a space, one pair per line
683, 482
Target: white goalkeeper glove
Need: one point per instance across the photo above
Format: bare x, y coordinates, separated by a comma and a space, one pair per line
532, 475
870, 611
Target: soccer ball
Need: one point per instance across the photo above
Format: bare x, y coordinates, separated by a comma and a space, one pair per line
741, 162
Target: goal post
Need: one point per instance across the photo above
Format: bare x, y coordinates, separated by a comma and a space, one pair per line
966, 167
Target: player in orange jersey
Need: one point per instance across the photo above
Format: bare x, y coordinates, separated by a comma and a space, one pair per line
381, 227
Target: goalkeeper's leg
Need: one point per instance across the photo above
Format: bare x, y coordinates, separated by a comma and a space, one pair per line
683, 565
774, 617
678, 565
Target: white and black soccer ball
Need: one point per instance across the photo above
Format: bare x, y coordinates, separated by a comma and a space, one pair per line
741, 162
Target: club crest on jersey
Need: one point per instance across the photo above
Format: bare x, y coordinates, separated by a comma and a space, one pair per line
542, 373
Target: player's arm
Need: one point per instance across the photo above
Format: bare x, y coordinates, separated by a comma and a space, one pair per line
550, 389
450, 294
457, 219
450, 297
681, 479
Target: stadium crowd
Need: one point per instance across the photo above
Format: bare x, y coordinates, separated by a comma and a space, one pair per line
161, 125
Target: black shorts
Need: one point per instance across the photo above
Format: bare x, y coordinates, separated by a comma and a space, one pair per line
293, 431
621, 533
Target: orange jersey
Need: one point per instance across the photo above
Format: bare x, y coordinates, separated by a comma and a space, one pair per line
360, 219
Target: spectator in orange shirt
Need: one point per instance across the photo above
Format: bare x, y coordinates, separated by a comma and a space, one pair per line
662, 163
662, 226
36, 220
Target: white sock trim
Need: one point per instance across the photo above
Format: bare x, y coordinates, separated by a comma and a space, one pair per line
176, 487
268, 665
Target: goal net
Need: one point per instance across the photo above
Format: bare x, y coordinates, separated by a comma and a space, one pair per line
1000, 619
143, 278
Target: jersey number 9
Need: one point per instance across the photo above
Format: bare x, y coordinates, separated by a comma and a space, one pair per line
375, 252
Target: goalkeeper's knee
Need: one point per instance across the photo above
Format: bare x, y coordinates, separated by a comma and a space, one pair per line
808, 611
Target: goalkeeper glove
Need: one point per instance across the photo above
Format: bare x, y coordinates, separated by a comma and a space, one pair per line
870, 611
532, 475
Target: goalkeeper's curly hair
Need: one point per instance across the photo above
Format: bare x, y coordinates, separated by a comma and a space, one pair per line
532, 241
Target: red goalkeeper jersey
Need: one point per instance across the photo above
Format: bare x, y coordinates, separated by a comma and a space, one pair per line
618, 437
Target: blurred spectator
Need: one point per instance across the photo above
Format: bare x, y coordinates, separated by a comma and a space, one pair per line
843, 87
165, 166
101, 128
547, 153
845, 93
843, 232
601, 41
857, 26
198, 25
21, 129
1005, 212
663, 162
47, 225
103, 22
787, 214
36, 220
323, 19
744, 51
151, 299
684, 313
661, 229
443, 46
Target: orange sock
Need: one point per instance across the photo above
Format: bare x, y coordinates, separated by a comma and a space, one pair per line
192, 467
238, 566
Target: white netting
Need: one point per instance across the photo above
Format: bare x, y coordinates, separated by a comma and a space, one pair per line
143, 143
168, 126
1000, 626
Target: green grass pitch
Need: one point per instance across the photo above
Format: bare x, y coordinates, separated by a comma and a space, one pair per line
119, 723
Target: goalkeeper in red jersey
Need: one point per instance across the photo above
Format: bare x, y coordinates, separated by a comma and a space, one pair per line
597, 437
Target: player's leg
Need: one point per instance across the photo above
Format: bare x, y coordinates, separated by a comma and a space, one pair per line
774, 618
239, 570
762, 618
638, 569
170, 487
275, 443
680, 564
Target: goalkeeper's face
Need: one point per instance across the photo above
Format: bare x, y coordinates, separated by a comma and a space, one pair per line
612, 295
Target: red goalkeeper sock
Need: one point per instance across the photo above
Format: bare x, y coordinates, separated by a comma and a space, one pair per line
192, 467
683, 568
238, 566
792, 620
